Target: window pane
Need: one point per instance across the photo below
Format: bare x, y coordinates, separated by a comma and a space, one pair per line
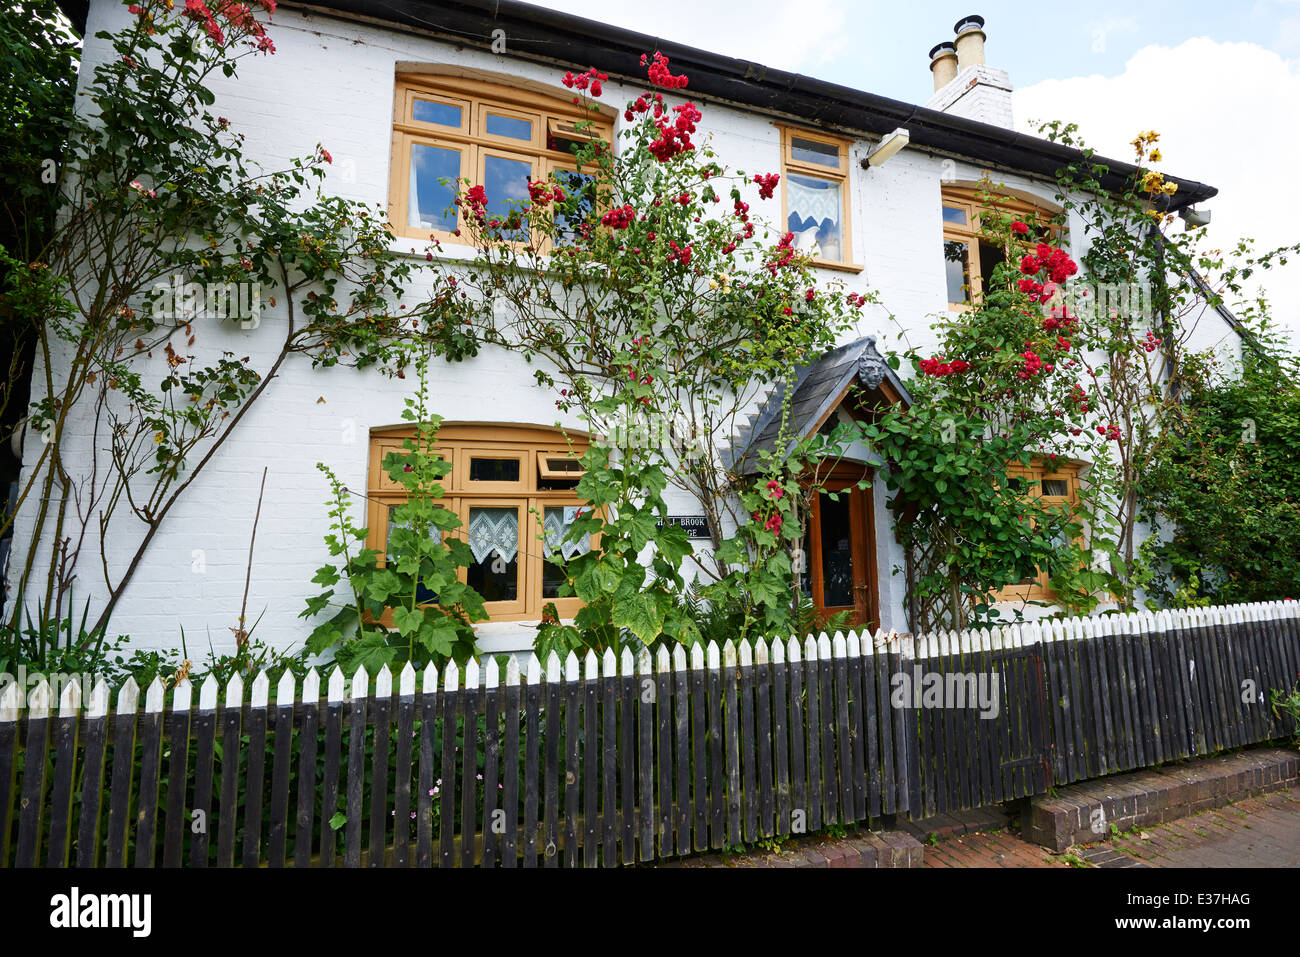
837, 553
555, 524
575, 184
1059, 487
494, 470
422, 594
816, 209
953, 215
957, 271
506, 181
990, 256
811, 151
432, 201
494, 542
429, 111
509, 126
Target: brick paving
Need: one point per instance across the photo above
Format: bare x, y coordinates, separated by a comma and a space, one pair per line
990, 849
1262, 831
857, 849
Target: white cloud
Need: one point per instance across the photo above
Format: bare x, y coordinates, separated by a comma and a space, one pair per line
775, 33
1225, 113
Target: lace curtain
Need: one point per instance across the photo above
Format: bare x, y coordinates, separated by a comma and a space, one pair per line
494, 530
813, 204
556, 523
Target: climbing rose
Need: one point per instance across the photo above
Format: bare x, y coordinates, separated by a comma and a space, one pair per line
660, 75
619, 218
767, 184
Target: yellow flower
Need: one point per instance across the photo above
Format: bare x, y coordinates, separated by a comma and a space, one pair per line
1170, 188
1155, 156
1152, 182
158, 437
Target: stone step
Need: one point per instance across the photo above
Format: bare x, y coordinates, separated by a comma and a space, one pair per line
1084, 813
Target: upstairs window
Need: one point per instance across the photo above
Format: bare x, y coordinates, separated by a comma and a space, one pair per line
969, 257
815, 195
447, 129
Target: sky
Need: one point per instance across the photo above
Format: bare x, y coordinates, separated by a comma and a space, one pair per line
1219, 81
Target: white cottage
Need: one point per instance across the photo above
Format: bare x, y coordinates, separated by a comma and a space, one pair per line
404, 92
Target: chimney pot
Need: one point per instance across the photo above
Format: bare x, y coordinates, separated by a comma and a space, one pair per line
970, 41
943, 64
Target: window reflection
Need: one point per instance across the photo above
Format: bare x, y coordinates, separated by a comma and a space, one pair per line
432, 204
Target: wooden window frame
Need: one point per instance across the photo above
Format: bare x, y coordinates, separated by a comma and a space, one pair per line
1037, 472
459, 442
968, 199
501, 610
477, 98
544, 470
462, 482
791, 165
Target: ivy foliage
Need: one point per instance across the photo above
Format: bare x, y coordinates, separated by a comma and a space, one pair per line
1224, 495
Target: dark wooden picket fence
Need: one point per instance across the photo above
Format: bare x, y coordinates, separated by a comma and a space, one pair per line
620, 760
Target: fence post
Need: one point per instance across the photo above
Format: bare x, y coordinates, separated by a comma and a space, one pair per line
699, 740
278, 837
32, 810
178, 774
469, 764
65, 755
92, 777
609, 755
305, 819
9, 710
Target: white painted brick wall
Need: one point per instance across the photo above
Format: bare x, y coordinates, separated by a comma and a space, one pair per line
332, 83
981, 93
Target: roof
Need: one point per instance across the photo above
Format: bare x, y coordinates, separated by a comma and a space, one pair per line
539, 34
818, 388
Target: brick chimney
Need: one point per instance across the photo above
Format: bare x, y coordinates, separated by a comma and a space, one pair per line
964, 84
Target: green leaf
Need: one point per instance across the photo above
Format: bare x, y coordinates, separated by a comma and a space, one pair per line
641, 615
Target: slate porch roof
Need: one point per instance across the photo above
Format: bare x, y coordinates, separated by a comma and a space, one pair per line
817, 387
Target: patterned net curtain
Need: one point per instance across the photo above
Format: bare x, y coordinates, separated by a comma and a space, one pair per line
556, 524
494, 530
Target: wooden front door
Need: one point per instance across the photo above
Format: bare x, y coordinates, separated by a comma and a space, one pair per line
840, 553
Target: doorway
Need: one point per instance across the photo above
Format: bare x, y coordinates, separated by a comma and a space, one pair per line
840, 551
